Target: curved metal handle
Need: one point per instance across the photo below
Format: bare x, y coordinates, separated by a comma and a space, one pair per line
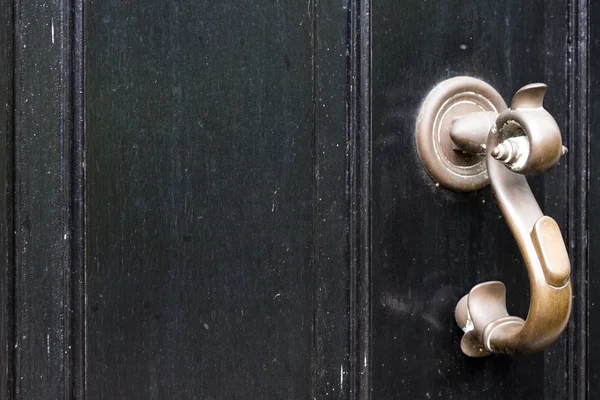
524, 139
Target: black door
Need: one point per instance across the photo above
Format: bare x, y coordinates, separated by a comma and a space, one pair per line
223, 199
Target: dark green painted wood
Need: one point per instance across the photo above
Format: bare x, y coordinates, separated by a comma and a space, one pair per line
216, 200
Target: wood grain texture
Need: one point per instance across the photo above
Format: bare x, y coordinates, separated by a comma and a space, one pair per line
332, 368
77, 205
359, 186
256, 222
216, 197
43, 198
7, 311
578, 195
593, 237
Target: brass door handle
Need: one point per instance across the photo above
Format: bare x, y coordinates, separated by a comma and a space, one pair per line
472, 131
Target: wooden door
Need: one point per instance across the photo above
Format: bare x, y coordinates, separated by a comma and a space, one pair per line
223, 199
430, 245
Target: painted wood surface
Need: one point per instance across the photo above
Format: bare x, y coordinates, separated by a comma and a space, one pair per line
222, 200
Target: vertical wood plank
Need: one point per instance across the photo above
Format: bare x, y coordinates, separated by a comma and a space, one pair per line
77, 205
359, 186
216, 236
7, 312
578, 194
331, 203
592, 240
43, 197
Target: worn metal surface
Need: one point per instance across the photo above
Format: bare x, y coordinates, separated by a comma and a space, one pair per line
446, 103
523, 139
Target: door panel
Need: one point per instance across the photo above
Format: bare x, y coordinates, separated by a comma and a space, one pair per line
41, 242
430, 245
215, 159
216, 200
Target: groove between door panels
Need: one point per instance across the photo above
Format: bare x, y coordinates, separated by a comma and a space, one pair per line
359, 173
578, 179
